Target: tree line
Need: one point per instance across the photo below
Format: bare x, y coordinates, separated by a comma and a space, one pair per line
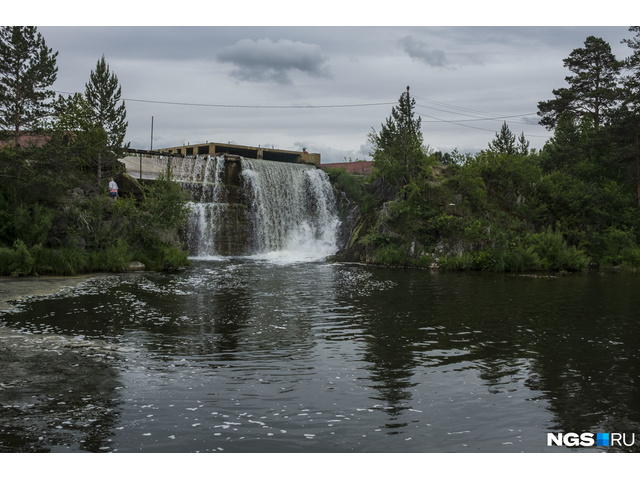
570, 206
57, 155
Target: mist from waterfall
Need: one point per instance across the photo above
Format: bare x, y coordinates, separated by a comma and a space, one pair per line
293, 208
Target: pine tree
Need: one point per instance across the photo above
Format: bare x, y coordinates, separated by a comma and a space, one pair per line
398, 151
505, 141
523, 145
631, 107
593, 89
103, 95
565, 148
27, 69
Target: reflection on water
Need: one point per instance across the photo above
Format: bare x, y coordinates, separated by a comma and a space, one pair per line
247, 355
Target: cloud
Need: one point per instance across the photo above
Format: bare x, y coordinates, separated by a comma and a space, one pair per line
267, 61
418, 50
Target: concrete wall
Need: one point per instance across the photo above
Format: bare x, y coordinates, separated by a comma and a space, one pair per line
247, 152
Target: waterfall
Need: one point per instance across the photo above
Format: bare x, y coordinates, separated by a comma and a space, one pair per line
203, 176
293, 210
265, 209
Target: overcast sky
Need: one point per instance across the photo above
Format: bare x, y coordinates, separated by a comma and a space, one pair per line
231, 84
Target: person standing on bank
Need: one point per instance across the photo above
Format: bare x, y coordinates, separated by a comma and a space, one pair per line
113, 189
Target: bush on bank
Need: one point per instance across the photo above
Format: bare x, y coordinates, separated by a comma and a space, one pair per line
70, 227
495, 213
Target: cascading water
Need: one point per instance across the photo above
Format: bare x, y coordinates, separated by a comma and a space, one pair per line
293, 210
268, 209
204, 178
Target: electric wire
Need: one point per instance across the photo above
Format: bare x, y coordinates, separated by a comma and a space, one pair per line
475, 114
226, 105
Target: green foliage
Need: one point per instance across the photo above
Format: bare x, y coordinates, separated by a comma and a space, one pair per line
505, 141
165, 203
392, 255
398, 154
592, 91
164, 258
615, 246
346, 182
55, 218
103, 95
112, 234
32, 223
27, 69
64, 261
16, 261
555, 254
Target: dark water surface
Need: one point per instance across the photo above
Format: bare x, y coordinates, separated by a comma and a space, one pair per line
246, 355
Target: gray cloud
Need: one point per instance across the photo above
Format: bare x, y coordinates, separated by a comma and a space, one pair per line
481, 72
418, 50
267, 61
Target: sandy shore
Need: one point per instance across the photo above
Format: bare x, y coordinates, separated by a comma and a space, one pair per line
12, 289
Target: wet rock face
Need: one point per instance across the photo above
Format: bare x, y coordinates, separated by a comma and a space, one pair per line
56, 392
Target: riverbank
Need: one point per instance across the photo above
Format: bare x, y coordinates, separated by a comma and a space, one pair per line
17, 288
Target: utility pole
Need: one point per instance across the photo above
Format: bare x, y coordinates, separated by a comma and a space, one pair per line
151, 148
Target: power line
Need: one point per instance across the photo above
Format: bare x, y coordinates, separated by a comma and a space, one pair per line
455, 107
482, 119
457, 122
469, 113
224, 105
348, 105
440, 120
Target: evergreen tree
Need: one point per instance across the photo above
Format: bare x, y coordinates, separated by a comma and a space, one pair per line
27, 69
632, 63
565, 148
505, 141
593, 89
523, 145
103, 95
630, 112
398, 152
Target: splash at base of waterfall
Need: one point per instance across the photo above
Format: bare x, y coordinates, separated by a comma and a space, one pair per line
283, 212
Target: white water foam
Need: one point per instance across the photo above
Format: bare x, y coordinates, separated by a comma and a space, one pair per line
205, 172
294, 211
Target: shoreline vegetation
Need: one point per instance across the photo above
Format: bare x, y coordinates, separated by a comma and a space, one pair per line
57, 155
572, 206
430, 225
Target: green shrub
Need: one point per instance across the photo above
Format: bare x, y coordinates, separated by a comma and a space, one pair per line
555, 254
614, 246
631, 257
522, 260
17, 261
117, 257
392, 255
62, 261
164, 258
466, 261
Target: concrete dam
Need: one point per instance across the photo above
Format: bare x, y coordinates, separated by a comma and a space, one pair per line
251, 207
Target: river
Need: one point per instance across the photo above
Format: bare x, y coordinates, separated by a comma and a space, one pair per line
264, 355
